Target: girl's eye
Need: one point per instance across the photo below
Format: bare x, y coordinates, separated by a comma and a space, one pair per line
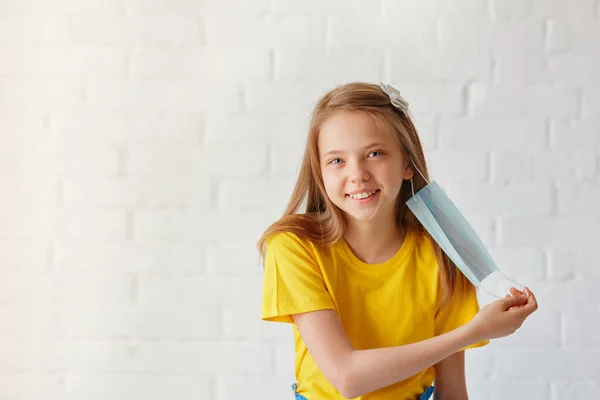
334, 161
375, 152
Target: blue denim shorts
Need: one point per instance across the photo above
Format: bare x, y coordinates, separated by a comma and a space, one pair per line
425, 396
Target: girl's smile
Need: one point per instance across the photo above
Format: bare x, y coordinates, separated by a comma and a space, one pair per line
364, 197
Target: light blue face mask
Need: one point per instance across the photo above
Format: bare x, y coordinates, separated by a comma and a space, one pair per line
450, 229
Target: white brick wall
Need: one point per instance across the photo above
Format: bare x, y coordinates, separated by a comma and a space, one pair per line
145, 145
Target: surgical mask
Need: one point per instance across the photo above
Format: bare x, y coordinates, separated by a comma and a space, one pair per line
453, 233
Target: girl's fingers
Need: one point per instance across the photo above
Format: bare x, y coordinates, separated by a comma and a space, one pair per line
531, 300
517, 293
513, 307
532, 304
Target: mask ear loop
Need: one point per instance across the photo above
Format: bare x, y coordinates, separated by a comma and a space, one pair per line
480, 283
412, 187
485, 290
419, 171
522, 287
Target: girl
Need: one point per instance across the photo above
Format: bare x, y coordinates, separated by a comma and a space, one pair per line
378, 310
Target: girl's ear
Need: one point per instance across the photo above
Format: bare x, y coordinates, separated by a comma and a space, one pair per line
408, 172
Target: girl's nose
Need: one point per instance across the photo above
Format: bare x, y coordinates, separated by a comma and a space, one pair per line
359, 174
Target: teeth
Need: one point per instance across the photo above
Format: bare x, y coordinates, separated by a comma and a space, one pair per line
363, 195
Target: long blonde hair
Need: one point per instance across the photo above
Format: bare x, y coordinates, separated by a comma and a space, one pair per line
322, 222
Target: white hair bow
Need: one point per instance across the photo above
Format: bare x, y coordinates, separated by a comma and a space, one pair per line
395, 97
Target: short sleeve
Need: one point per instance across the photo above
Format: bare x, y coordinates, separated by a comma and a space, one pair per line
293, 282
458, 311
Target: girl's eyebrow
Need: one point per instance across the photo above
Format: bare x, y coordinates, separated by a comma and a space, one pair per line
374, 144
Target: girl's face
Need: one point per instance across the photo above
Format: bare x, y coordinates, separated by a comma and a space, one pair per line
362, 167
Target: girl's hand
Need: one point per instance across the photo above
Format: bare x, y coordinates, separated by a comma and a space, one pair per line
515, 292
503, 317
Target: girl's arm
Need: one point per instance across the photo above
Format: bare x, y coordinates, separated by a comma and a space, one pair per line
450, 382
357, 372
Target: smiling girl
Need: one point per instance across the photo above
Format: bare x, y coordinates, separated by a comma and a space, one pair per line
378, 310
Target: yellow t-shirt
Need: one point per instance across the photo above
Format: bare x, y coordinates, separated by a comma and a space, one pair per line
393, 303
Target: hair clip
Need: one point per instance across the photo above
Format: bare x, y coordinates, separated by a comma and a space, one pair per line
395, 97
